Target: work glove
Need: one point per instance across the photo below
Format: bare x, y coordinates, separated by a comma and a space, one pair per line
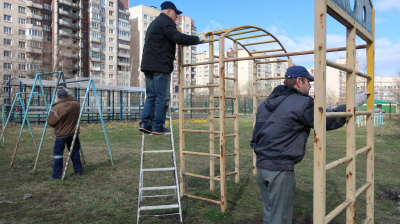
202, 37
360, 98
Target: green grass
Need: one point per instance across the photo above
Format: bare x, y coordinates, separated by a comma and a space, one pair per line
105, 194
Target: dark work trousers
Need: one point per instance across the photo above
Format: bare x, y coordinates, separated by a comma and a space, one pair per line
277, 190
59, 146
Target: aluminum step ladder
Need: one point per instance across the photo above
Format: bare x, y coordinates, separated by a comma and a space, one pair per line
159, 188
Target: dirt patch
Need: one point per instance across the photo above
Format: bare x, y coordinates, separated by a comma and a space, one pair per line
389, 194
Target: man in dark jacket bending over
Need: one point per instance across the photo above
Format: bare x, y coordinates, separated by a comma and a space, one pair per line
280, 135
157, 65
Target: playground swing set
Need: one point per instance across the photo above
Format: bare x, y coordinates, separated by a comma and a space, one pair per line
60, 83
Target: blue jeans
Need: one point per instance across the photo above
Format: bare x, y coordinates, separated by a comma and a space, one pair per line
157, 99
59, 146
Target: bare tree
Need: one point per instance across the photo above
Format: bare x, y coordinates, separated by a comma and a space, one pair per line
395, 91
63, 56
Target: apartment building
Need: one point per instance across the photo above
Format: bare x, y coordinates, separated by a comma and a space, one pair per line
245, 72
141, 17
85, 38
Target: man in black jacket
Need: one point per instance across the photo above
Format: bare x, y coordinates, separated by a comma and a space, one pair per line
157, 65
280, 135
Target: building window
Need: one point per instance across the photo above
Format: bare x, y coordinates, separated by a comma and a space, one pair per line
111, 40
103, 29
111, 49
151, 18
7, 6
175, 75
7, 18
102, 47
110, 76
187, 26
7, 66
47, 6
111, 67
21, 9
145, 25
111, 31
145, 16
22, 67
111, 13
111, 22
21, 21
22, 44
102, 57
103, 38
111, 4
7, 54
21, 56
46, 27
7, 41
7, 30
102, 66
111, 58
47, 17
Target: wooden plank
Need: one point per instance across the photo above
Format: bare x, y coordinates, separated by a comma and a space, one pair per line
200, 86
269, 62
201, 176
182, 183
202, 199
261, 42
370, 123
338, 66
351, 125
338, 162
338, 210
265, 51
254, 112
212, 114
319, 205
236, 110
201, 154
222, 126
254, 36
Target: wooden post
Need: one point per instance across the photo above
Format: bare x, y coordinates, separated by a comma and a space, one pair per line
181, 121
236, 110
212, 113
351, 125
370, 122
222, 130
319, 112
290, 63
254, 111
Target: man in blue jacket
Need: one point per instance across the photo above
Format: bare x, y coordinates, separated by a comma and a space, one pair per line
157, 65
280, 135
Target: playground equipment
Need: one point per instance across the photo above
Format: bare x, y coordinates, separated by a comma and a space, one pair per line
10, 114
174, 187
359, 21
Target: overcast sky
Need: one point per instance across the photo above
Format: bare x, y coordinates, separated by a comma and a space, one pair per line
292, 22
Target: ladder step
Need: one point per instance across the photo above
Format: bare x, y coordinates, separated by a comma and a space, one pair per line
157, 151
157, 207
159, 169
159, 215
158, 188
159, 196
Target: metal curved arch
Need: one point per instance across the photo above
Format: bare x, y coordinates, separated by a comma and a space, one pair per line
250, 26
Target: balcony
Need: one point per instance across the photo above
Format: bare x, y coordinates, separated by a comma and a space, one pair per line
30, 15
69, 25
70, 55
76, 67
124, 55
96, 49
34, 50
35, 38
34, 4
66, 34
123, 63
123, 46
69, 44
124, 38
34, 26
69, 4
69, 14
95, 68
122, 72
95, 40
95, 59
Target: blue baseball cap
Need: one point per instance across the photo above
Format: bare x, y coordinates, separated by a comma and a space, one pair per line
62, 93
170, 5
298, 71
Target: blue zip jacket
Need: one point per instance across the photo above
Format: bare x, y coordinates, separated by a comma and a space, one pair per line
282, 128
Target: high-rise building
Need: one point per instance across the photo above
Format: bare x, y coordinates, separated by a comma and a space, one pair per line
84, 38
141, 17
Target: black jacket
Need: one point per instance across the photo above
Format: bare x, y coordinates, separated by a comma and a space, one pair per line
160, 45
282, 127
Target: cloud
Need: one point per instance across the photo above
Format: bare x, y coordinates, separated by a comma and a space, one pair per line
380, 20
387, 5
387, 57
